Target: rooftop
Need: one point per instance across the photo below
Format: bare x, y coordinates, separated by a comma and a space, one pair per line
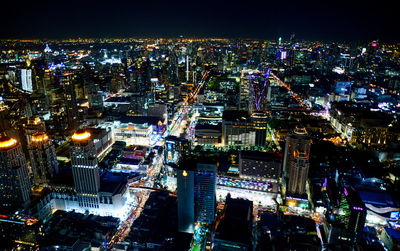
7, 142
112, 183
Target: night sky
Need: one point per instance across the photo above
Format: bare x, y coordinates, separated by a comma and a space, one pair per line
310, 20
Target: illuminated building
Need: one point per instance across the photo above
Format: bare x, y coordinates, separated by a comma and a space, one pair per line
204, 192
35, 124
208, 133
196, 182
15, 187
296, 161
185, 183
97, 193
282, 55
362, 126
136, 130
239, 129
244, 90
343, 87
84, 169
260, 165
348, 224
26, 79
19, 229
70, 99
43, 158
292, 57
259, 84
175, 149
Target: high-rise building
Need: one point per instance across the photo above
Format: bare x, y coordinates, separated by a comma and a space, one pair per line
235, 229
239, 129
185, 184
352, 212
258, 90
204, 192
34, 125
26, 79
196, 180
70, 99
260, 165
43, 158
176, 149
15, 187
296, 161
346, 225
85, 169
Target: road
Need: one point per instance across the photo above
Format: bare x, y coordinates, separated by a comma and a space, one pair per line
287, 87
180, 120
142, 194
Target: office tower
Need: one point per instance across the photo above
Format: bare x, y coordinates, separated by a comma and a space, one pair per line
43, 158
346, 225
187, 68
204, 192
239, 129
196, 180
244, 91
138, 105
292, 57
172, 69
235, 229
84, 169
260, 165
70, 99
185, 184
15, 187
296, 161
34, 125
26, 79
258, 90
352, 212
176, 149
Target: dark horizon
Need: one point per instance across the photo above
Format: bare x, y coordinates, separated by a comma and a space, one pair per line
311, 20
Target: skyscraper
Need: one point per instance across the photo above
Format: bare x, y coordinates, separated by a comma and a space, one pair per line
43, 158
26, 79
15, 187
34, 125
70, 99
204, 192
296, 161
85, 170
176, 149
185, 183
196, 181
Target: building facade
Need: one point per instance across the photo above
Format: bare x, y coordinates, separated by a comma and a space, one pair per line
15, 186
196, 182
85, 169
296, 161
43, 158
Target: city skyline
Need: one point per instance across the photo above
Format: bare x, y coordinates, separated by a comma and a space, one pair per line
198, 144
310, 20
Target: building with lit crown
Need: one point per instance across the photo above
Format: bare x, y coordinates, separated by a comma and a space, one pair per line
15, 187
43, 158
99, 193
85, 169
296, 161
196, 180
